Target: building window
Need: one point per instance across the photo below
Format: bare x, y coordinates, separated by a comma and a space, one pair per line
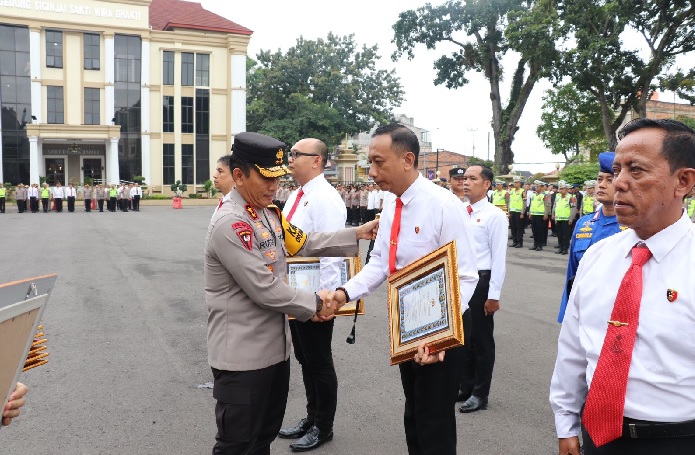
54, 49
202, 135
168, 68
55, 104
127, 104
187, 164
168, 160
91, 106
91, 51
202, 70
168, 114
186, 114
186, 68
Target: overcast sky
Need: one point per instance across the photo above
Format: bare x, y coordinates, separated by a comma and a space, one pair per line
458, 119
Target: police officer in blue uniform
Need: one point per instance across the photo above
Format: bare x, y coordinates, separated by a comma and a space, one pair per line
594, 226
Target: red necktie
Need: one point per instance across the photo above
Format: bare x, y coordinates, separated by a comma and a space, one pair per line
294, 206
395, 229
605, 403
469, 209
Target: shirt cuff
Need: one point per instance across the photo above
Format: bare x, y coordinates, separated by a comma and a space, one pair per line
493, 294
567, 425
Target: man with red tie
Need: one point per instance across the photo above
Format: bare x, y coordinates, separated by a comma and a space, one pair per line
418, 217
624, 376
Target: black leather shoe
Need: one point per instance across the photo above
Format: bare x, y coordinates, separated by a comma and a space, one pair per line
296, 431
539, 248
564, 252
473, 404
463, 396
311, 440
558, 251
534, 247
520, 245
513, 245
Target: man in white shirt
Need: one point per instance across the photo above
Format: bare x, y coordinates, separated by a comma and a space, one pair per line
58, 196
135, 195
490, 238
315, 207
71, 193
631, 343
34, 198
430, 217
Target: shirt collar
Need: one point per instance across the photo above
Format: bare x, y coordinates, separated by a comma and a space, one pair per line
312, 184
414, 189
661, 243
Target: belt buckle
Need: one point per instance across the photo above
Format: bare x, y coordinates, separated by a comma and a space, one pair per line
633, 430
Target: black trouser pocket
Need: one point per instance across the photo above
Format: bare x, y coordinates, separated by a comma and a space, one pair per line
233, 409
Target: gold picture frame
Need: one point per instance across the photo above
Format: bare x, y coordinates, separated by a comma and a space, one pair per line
424, 305
304, 273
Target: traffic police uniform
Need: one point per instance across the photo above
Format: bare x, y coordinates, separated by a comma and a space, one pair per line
517, 203
564, 210
247, 300
539, 210
589, 201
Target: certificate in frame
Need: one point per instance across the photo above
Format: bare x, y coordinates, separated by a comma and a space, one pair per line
424, 305
303, 273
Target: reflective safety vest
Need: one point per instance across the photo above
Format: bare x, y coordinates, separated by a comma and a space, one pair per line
498, 197
562, 207
45, 192
113, 193
2, 191
538, 204
588, 204
691, 207
516, 200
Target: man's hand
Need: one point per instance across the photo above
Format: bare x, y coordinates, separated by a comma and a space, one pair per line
327, 312
335, 299
491, 305
522, 215
423, 356
367, 230
15, 402
569, 446
545, 217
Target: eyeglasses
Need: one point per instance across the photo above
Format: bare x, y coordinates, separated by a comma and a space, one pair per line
294, 154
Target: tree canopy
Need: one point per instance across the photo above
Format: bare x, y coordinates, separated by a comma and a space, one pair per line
579, 173
320, 88
483, 32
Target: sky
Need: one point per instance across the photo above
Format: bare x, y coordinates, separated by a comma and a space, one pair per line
459, 120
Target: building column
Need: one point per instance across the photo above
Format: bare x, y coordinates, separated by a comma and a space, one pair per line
112, 169
34, 159
109, 57
35, 62
238, 108
145, 112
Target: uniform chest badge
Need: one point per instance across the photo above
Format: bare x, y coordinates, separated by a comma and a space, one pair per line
251, 211
245, 234
265, 235
270, 254
585, 229
270, 267
259, 224
417, 229
671, 295
305, 203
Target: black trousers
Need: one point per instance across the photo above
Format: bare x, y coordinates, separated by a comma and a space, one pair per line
370, 214
430, 398
479, 342
539, 227
517, 226
312, 348
641, 446
100, 203
34, 204
21, 206
71, 203
250, 408
59, 204
2, 204
563, 234
88, 205
113, 201
44, 203
363, 214
136, 203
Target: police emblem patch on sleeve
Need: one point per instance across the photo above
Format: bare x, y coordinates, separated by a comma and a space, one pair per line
245, 234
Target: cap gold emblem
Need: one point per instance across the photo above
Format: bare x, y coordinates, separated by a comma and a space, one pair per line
278, 157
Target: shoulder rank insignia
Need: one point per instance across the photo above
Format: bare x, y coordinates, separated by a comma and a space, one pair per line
251, 211
671, 295
585, 229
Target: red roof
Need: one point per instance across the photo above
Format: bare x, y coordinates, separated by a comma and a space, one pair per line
170, 14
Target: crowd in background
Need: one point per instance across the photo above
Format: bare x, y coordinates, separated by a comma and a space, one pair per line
34, 198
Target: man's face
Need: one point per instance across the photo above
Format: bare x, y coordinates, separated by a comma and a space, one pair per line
590, 190
303, 162
563, 191
222, 178
498, 187
605, 191
256, 189
517, 185
387, 167
457, 183
474, 185
644, 185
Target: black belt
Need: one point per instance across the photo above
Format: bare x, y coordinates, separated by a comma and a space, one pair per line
483, 273
640, 429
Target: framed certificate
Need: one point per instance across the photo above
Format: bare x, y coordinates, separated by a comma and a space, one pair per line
424, 305
305, 273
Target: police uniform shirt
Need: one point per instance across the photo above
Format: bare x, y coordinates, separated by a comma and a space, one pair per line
320, 210
245, 290
661, 379
431, 217
490, 236
588, 231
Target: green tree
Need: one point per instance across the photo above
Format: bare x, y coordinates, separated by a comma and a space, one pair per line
680, 84
570, 122
579, 172
688, 121
323, 88
484, 31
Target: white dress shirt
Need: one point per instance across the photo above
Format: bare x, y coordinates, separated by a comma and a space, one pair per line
371, 200
321, 209
661, 380
69, 192
58, 192
431, 217
490, 236
33, 192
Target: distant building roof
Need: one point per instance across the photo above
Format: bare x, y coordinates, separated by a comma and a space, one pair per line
172, 14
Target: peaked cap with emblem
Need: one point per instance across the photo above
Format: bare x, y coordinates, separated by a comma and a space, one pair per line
457, 172
264, 152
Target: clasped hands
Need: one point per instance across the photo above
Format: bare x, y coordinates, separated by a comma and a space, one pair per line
332, 301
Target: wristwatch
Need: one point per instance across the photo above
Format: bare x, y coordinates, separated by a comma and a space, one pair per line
319, 303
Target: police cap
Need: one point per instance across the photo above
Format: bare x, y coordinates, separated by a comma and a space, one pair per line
264, 152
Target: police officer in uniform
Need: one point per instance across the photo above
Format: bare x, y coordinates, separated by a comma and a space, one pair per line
564, 210
500, 197
539, 209
456, 176
517, 206
588, 204
45, 195
247, 298
3, 193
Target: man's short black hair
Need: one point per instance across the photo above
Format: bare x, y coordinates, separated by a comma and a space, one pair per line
402, 139
486, 173
678, 146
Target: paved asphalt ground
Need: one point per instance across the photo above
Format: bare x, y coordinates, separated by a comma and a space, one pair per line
126, 329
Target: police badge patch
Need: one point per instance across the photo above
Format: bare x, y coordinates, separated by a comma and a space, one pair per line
671, 295
245, 234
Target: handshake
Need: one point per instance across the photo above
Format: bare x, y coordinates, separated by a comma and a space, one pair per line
332, 301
